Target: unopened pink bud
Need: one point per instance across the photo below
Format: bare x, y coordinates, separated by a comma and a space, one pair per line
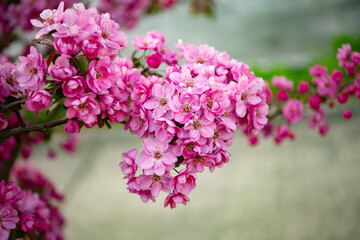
315, 102
282, 95
303, 87
337, 76
154, 60
343, 98
347, 114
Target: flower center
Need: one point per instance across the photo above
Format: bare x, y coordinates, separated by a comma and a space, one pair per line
10, 80
216, 134
157, 155
162, 102
190, 83
189, 146
200, 60
186, 108
199, 160
197, 125
209, 103
244, 96
99, 74
33, 71
156, 178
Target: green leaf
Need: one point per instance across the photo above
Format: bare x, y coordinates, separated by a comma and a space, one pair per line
82, 64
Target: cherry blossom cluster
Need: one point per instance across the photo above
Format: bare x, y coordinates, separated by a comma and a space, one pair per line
188, 118
29, 210
312, 100
128, 12
18, 13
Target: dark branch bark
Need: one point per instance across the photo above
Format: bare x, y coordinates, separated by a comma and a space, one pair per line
12, 105
34, 128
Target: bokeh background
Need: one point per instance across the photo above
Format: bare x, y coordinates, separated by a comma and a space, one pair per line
306, 189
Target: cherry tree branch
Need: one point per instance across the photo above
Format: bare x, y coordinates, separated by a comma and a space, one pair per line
34, 128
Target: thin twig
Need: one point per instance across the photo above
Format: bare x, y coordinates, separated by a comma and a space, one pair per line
11, 105
34, 128
20, 119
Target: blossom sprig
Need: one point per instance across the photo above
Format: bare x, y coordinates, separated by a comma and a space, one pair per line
312, 99
188, 117
29, 211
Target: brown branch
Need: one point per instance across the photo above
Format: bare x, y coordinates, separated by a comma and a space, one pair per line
34, 128
12, 105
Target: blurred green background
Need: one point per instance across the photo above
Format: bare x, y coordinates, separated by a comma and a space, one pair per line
307, 189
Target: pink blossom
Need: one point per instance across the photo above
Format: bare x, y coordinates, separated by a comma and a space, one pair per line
184, 182
33, 68
326, 86
28, 223
38, 101
315, 102
258, 115
51, 19
184, 106
9, 217
303, 87
115, 110
201, 54
343, 98
282, 132
199, 127
154, 60
66, 45
62, 70
175, 198
347, 114
74, 86
128, 165
156, 157
337, 76
79, 26
355, 57
91, 47
282, 83
161, 95
247, 94
70, 144
155, 183
111, 38
318, 70
344, 55
293, 111
167, 56
29, 202
190, 148
9, 84
142, 90
3, 121
84, 107
72, 126
10, 192
151, 40
165, 129
215, 103
317, 122
186, 83
139, 121
223, 137
100, 76
282, 95
198, 162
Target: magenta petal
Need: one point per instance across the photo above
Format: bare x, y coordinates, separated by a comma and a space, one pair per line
145, 162
159, 168
155, 189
